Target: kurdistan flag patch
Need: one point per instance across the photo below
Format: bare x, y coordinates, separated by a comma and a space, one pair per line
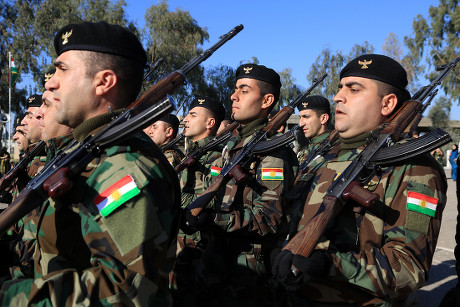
272, 174
215, 171
422, 203
117, 194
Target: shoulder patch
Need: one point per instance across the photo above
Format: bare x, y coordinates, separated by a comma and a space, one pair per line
116, 195
272, 174
215, 171
422, 203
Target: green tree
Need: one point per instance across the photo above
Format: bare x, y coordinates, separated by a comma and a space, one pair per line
436, 40
220, 81
253, 60
358, 50
289, 90
175, 36
393, 48
440, 113
30, 26
8, 14
331, 63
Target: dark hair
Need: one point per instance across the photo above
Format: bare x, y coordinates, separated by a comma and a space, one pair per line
386, 89
267, 88
321, 112
129, 72
173, 122
216, 118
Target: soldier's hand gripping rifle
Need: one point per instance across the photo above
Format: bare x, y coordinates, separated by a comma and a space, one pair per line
153, 104
233, 169
20, 167
347, 186
195, 155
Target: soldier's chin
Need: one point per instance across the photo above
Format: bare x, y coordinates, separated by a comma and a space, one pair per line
233, 116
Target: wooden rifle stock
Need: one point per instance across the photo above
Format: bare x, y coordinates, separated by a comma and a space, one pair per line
205, 198
195, 155
233, 169
304, 242
346, 187
138, 115
25, 202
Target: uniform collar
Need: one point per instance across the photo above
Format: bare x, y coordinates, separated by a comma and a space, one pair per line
356, 141
253, 126
89, 126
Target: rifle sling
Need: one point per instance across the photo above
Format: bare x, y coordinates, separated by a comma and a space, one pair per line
412, 148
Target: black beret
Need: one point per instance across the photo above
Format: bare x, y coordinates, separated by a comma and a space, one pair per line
100, 37
315, 103
259, 72
170, 119
17, 120
377, 67
211, 104
48, 76
34, 101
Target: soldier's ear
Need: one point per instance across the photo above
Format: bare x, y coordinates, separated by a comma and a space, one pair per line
104, 80
324, 118
267, 101
211, 122
389, 103
169, 132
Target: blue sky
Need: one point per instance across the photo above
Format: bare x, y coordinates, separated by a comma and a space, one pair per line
291, 34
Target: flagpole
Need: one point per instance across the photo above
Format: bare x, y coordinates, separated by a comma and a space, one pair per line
9, 102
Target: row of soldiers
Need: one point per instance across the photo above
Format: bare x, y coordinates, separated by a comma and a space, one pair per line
225, 255
125, 233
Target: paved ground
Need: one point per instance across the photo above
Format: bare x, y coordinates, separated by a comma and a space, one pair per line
442, 274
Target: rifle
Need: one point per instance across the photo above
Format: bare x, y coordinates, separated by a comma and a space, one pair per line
14, 173
153, 104
153, 67
173, 142
233, 169
195, 155
347, 186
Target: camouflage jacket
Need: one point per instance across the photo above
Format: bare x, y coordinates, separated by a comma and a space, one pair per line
314, 143
26, 228
174, 155
56, 145
197, 178
253, 214
37, 164
111, 239
375, 262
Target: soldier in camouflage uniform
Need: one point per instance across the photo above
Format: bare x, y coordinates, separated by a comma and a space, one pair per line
164, 131
111, 239
200, 126
366, 258
31, 123
21, 140
314, 112
249, 218
57, 137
